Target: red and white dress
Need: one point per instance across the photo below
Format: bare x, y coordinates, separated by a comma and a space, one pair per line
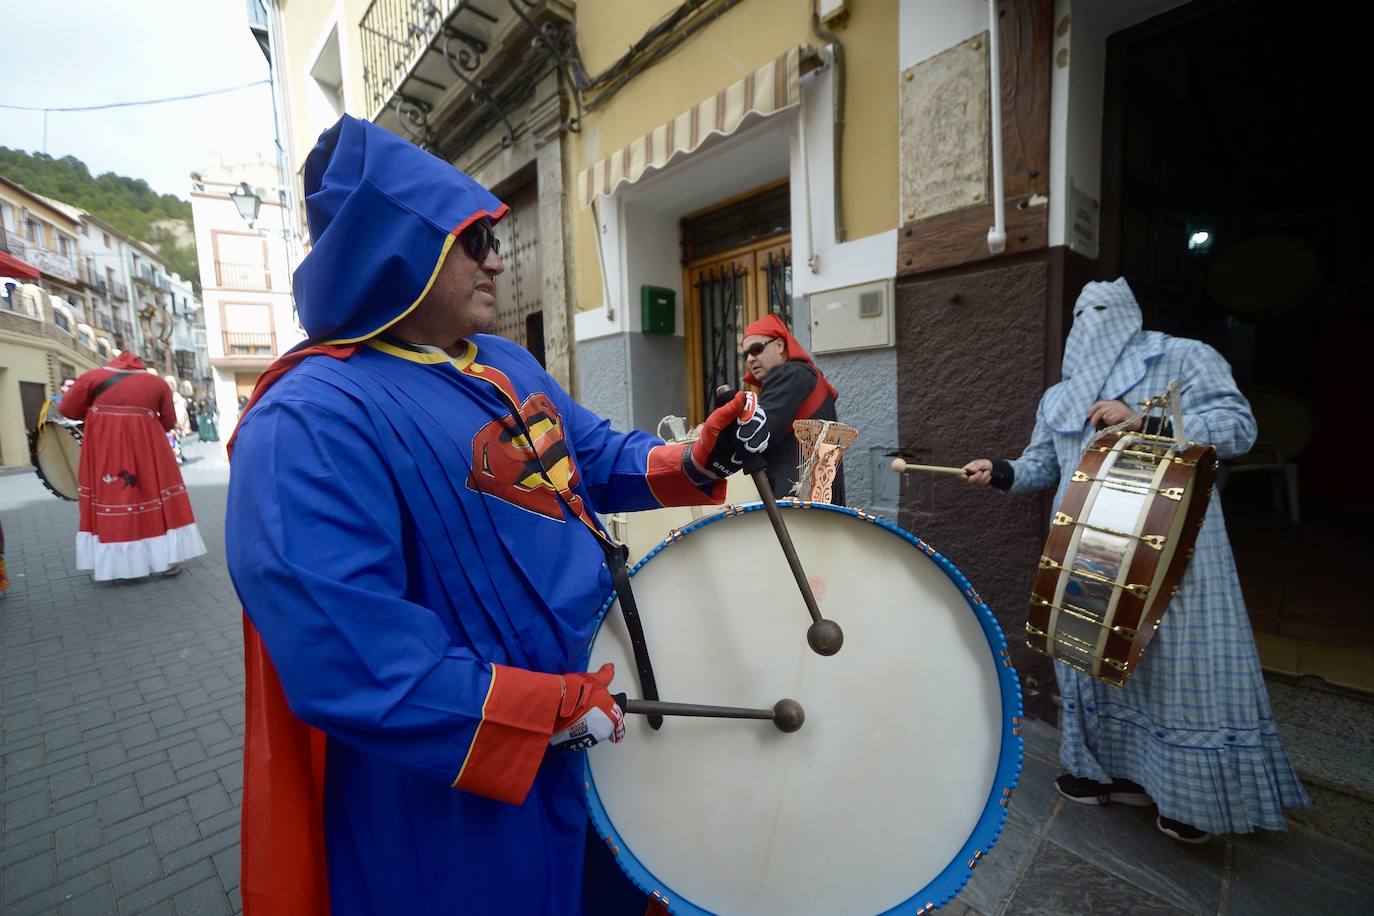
136, 517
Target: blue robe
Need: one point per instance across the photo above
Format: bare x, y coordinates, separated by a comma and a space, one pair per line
391, 541
1193, 724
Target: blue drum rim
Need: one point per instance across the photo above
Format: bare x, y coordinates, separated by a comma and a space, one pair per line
944, 886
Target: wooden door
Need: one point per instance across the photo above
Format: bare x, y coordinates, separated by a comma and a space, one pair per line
725, 292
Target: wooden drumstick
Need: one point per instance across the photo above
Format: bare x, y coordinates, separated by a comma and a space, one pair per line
823, 636
786, 714
901, 467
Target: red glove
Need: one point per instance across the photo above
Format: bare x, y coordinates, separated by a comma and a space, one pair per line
588, 713
730, 434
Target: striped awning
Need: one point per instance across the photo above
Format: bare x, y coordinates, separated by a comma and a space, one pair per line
774, 87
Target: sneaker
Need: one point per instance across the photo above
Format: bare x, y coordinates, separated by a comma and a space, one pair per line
1090, 792
170, 571
1181, 831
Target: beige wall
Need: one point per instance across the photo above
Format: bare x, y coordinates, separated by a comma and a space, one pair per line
27, 357
743, 39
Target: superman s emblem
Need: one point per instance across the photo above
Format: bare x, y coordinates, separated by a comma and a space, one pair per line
507, 465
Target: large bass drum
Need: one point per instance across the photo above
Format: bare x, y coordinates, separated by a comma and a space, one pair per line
55, 449
897, 782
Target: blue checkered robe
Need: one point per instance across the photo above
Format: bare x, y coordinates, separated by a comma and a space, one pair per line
1193, 724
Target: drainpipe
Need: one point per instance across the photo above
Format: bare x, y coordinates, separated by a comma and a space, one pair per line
837, 59
997, 235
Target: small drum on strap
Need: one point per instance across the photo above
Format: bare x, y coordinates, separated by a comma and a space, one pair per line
1120, 543
897, 782
55, 450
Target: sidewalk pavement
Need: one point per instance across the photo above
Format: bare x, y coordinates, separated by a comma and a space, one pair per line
122, 719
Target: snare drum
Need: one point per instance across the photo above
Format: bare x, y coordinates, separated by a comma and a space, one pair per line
1117, 550
899, 779
55, 450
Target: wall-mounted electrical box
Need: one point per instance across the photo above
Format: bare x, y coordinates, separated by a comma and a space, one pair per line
657, 310
853, 318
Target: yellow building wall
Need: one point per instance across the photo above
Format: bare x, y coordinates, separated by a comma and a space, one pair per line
25, 360
304, 25
47, 216
743, 39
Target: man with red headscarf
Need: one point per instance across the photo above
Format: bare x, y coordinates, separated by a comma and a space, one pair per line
792, 389
136, 518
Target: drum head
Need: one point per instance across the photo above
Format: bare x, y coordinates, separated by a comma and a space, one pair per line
896, 783
56, 454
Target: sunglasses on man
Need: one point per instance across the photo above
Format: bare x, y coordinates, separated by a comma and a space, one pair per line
755, 348
479, 240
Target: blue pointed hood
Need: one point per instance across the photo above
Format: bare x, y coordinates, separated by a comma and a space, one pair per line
383, 215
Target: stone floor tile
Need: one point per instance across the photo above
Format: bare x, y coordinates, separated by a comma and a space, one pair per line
1297, 871
1059, 883
1125, 841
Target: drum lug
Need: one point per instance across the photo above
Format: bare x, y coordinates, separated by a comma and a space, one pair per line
1154, 540
1174, 493
1080, 477
1063, 518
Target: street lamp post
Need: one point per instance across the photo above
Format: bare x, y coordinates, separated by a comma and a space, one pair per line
248, 203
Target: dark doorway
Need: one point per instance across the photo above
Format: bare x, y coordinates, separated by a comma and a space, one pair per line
1235, 202
534, 335
31, 397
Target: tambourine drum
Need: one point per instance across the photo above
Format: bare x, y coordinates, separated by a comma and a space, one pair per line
55, 450
1117, 550
898, 781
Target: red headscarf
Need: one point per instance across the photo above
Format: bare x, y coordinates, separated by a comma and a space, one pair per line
126, 360
772, 326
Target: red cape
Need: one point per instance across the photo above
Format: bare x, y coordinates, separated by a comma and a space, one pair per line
283, 867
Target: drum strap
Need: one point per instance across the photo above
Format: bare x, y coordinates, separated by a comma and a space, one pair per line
616, 556
119, 376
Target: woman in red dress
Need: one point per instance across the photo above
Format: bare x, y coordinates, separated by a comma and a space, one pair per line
136, 518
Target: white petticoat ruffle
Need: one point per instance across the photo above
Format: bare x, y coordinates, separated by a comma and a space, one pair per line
136, 559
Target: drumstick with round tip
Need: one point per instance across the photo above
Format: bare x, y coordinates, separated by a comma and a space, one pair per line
786, 714
901, 466
823, 636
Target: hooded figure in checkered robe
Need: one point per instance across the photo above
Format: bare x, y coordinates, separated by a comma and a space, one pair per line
1193, 724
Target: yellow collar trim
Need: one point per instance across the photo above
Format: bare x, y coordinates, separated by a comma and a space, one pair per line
429, 356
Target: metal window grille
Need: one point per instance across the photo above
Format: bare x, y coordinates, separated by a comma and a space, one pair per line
721, 294
779, 273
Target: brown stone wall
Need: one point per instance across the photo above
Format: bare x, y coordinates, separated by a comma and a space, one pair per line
975, 348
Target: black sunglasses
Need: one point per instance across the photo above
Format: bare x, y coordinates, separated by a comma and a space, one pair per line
479, 239
756, 347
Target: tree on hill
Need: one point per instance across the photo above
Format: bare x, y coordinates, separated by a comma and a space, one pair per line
128, 204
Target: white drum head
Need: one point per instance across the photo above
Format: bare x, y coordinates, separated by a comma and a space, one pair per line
899, 774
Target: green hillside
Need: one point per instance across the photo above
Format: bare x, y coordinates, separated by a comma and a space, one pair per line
128, 204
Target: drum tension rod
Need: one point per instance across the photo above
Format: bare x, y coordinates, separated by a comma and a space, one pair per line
824, 636
786, 714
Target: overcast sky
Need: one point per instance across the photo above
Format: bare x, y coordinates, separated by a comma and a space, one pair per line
90, 52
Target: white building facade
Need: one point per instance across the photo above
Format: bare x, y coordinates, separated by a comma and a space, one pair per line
245, 280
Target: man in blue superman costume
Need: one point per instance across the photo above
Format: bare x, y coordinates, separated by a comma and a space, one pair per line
411, 529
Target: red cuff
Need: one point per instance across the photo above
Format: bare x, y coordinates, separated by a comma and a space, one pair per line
517, 720
671, 486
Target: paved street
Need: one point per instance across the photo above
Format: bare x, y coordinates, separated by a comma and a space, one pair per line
120, 777
122, 720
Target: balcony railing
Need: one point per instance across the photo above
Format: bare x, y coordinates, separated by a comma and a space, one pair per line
394, 33
231, 275
250, 343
